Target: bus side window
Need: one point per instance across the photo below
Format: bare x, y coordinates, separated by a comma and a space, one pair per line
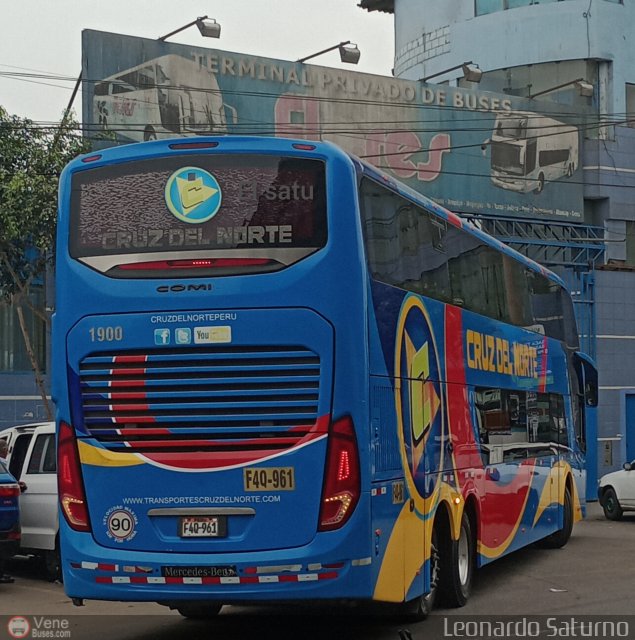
405, 243
102, 88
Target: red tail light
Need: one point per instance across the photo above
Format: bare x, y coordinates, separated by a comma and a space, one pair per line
201, 263
342, 481
193, 145
69, 478
9, 491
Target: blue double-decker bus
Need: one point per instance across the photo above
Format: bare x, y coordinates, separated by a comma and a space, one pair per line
282, 375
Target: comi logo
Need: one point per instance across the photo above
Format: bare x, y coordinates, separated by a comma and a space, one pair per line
193, 195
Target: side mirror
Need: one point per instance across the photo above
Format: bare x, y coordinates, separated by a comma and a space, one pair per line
23, 486
588, 379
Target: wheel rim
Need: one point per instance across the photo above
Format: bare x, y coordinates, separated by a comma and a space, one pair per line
464, 557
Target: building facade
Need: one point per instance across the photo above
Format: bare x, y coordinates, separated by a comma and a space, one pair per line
577, 54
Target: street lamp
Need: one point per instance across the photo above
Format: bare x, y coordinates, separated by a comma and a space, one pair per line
583, 87
471, 72
349, 53
208, 27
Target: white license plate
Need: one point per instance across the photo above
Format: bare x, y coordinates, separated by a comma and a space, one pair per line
203, 527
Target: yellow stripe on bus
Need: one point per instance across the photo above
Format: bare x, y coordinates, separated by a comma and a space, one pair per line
88, 454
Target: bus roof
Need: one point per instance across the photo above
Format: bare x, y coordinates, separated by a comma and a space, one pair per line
270, 144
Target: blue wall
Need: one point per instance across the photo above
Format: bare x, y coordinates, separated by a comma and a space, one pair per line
20, 401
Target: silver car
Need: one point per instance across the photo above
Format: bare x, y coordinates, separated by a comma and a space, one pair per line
32, 461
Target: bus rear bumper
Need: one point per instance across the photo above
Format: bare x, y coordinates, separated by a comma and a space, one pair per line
263, 576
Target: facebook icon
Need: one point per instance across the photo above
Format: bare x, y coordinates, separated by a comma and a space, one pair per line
161, 336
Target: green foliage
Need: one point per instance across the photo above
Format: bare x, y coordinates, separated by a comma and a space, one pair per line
31, 159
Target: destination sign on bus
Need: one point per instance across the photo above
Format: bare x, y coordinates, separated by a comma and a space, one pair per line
486, 352
199, 202
197, 237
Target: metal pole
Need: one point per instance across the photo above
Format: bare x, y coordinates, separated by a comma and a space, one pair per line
189, 24
440, 73
560, 86
319, 53
69, 106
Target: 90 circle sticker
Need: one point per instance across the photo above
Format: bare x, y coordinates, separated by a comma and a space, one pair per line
121, 523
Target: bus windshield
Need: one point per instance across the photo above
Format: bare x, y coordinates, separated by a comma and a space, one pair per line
268, 211
506, 157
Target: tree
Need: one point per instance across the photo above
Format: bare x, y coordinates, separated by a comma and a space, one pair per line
31, 160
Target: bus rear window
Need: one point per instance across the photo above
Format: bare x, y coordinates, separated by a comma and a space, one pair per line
219, 212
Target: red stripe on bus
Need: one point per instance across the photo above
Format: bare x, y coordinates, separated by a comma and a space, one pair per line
130, 395
120, 408
129, 359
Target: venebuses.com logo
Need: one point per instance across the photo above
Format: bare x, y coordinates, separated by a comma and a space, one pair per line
18, 627
38, 627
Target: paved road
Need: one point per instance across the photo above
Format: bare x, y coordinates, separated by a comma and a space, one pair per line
593, 574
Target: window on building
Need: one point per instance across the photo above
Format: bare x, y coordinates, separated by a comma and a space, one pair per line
13, 354
483, 7
630, 244
488, 6
525, 80
630, 105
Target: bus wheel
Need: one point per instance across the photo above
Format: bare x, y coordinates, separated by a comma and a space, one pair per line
199, 610
421, 607
541, 183
561, 537
149, 134
457, 566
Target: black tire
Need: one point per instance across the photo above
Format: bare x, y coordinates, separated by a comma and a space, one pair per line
611, 505
561, 537
52, 563
541, 184
421, 607
457, 564
199, 610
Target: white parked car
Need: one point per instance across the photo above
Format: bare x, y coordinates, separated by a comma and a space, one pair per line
616, 491
32, 460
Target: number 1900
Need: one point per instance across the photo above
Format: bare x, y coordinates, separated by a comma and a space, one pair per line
106, 334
